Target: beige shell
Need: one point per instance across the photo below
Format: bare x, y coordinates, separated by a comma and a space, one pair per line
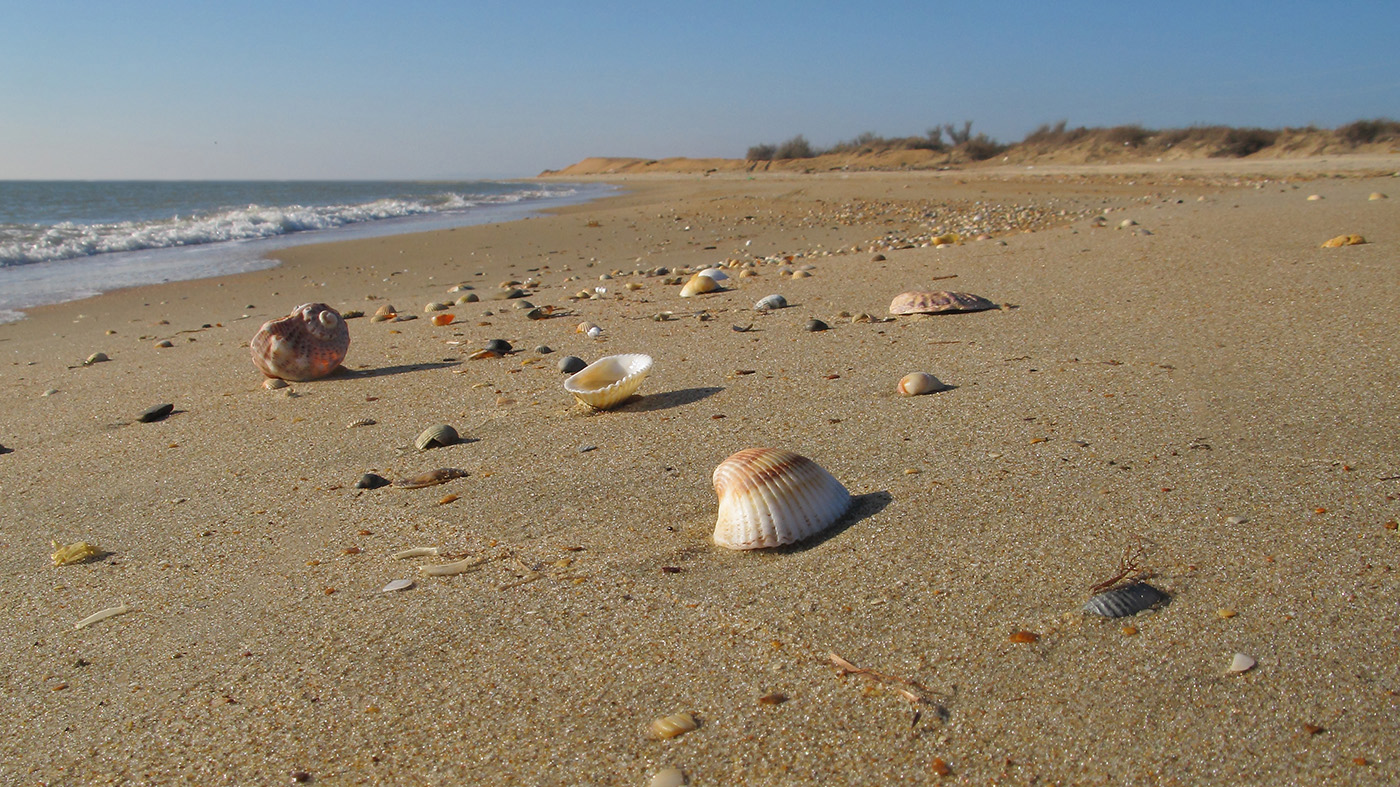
438, 435
769, 497
698, 284
609, 381
940, 302
307, 344
918, 383
673, 725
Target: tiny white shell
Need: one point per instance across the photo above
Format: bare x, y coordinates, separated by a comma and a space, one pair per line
769, 497
609, 381
770, 302
918, 383
714, 273
1241, 662
397, 584
673, 725
699, 284
668, 777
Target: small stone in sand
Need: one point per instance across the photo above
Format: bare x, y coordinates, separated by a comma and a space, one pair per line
155, 413
815, 325
371, 481
571, 364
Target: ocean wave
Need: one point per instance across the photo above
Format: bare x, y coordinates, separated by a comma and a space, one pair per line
22, 244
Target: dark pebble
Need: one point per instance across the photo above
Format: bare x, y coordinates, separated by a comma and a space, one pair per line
524, 304
498, 346
157, 413
571, 364
544, 349
816, 325
371, 481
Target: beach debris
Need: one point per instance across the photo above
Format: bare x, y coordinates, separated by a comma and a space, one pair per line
384, 313
350, 314
571, 364
941, 767
76, 552
499, 346
1124, 601
699, 285
155, 413
397, 584
307, 344
938, 302
361, 422
371, 481
594, 332
813, 325
609, 381
96, 358
1241, 662
435, 436
102, 614
164, 343
1023, 637
676, 724
431, 478
413, 552
668, 777
1343, 240
445, 499
481, 355
769, 497
454, 568
544, 349
1376, 195
1314, 197
274, 383
445, 318
770, 302
912, 691
919, 383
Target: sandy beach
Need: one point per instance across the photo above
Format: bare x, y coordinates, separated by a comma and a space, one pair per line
1177, 365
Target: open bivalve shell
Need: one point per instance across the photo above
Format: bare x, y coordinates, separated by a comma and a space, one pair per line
941, 302
769, 497
609, 381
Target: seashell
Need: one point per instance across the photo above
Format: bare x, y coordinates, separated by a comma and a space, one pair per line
164, 343
609, 381
384, 313
306, 344
699, 284
769, 497
470, 297
155, 413
444, 319
274, 383
801, 274
770, 302
918, 383
714, 273
498, 346
594, 332
76, 552
1343, 240
1375, 195
481, 354
668, 777
397, 584
431, 478
436, 306
434, 436
941, 302
813, 325
371, 481
571, 364
96, 358
544, 349
668, 727
102, 614
522, 305
1127, 600
584, 327
1242, 662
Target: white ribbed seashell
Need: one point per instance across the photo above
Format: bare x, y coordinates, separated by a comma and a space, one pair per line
699, 284
770, 302
609, 381
714, 273
769, 497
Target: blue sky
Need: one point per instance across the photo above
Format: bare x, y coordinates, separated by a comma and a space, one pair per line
420, 89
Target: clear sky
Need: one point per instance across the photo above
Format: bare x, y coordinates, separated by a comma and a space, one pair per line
467, 88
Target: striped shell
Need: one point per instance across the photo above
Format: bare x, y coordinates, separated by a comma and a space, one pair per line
941, 302
609, 381
770, 302
1124, 601
306, 344
769, 497
434, 436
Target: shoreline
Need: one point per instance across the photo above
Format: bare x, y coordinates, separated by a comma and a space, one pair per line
1205, 382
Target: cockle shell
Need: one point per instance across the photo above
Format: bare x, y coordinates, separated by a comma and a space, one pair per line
769, 497
698, 284
918, 383
306, 344
1124, 601
940, 302
770, 302
609, 381
438, 435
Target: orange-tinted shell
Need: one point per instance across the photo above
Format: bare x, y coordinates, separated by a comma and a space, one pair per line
307, 344
769, 497
940, 302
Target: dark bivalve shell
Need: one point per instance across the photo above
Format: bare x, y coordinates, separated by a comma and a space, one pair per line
1124, 601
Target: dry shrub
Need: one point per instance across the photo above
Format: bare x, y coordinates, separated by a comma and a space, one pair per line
1365, 132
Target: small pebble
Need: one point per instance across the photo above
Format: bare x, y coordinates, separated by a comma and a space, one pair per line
371, 481
499, 346
155, 413
571, 364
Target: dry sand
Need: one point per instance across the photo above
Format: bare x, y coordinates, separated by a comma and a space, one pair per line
1222, 391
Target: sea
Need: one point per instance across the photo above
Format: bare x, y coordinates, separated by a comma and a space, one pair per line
66, 240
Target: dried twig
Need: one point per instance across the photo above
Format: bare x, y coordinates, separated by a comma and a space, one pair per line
1130, 568
908, 689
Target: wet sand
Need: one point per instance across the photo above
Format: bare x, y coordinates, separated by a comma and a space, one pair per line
1207, 383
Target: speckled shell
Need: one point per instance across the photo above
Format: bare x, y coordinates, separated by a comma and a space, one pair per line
938, 303
609, 381
307, 344
699, 284
1124, 601
769, 497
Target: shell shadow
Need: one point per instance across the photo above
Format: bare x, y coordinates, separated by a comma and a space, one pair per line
667, 400
862, 507
384, 371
